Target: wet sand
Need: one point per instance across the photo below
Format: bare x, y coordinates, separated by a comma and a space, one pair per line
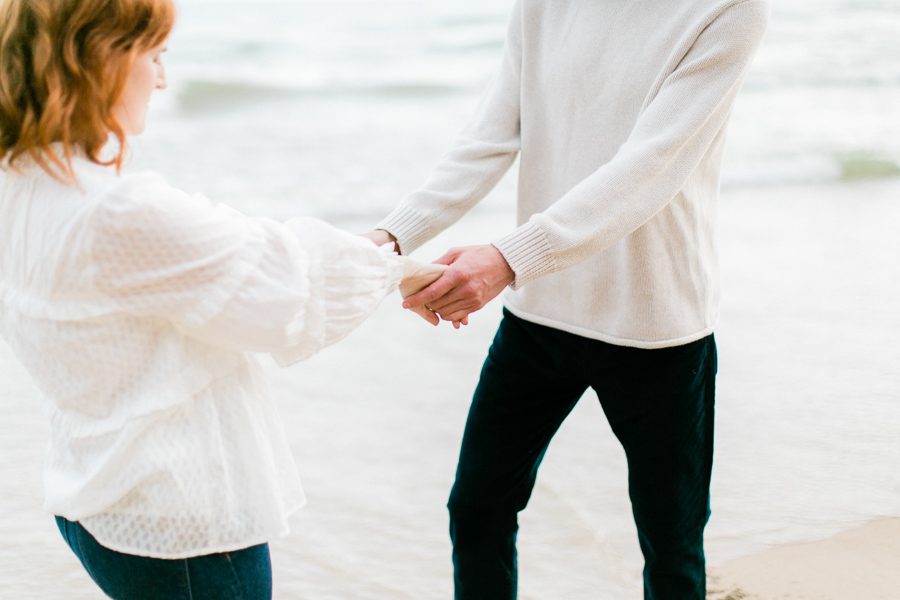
860, 564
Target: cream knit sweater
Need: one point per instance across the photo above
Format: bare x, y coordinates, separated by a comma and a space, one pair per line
618, 110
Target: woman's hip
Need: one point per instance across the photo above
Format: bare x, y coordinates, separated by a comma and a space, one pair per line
239, 575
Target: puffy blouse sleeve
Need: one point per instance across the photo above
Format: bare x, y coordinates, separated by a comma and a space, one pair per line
252, 284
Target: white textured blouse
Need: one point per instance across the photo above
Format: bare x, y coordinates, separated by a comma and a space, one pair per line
135, 307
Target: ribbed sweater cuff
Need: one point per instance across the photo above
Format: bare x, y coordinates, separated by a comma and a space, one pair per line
528, 253
409, 227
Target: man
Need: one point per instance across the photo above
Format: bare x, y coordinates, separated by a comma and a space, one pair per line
618, 112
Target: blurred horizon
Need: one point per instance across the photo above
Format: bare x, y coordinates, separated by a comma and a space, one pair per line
347, 104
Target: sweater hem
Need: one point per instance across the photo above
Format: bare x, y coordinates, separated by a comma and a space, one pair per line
605, 337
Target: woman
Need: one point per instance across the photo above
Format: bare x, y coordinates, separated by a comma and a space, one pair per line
134, 306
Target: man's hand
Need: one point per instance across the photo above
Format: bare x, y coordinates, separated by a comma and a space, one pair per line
416, 277
476, 275
380, 237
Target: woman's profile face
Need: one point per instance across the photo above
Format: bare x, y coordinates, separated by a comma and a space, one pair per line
147, 74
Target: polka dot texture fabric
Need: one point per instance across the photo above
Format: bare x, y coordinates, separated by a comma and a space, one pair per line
137, 309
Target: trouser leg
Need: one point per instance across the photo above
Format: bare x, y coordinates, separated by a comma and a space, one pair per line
528, 385
660, 404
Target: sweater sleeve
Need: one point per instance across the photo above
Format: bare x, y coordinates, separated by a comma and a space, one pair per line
670, 138
477, 160
249, 284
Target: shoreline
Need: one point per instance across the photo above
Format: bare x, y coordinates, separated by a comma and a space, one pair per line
858, 564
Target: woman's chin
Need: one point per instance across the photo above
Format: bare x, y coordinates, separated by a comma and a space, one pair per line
134, 128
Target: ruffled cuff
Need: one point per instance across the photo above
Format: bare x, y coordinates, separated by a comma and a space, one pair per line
348, 278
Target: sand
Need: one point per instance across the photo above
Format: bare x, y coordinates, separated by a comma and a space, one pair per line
860, 564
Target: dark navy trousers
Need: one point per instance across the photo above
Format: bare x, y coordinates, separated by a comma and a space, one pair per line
660, 405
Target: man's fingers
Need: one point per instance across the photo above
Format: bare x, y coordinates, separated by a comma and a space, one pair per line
459, 311
458, 324
451, 300
449, 257
435, 291
453, 307
427, 315
457, 316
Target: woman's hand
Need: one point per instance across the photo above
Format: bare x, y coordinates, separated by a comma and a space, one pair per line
418, 276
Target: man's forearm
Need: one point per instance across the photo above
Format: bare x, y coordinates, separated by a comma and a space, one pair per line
380, 237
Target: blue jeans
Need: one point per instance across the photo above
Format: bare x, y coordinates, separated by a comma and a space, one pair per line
659, 404
241, 575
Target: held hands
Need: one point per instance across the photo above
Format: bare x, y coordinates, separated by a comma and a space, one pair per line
458, 283
474, 276
418, 276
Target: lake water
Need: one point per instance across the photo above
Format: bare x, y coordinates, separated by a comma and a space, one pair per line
337, 108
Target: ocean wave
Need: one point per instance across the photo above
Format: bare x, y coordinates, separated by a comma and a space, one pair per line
490, 45
866, 165
467, 21
793, 168
196, 94
202, 94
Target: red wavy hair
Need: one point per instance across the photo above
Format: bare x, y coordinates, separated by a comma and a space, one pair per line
63, 67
